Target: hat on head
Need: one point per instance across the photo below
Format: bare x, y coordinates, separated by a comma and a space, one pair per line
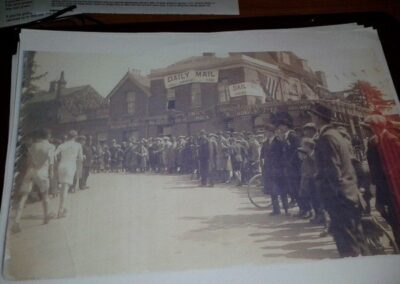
81, 138
270, 127
321, 111
285, 121
310, 125
282, 118
72, 134
302, 150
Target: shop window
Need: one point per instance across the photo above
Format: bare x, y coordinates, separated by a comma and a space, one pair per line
223, 91
170, 99
130, 102
196, 95
228, 124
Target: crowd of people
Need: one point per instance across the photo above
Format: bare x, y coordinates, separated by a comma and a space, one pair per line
317, 169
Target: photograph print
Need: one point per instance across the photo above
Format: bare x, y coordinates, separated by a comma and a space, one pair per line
201, 160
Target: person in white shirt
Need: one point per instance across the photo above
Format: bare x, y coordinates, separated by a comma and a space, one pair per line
67, 154
39, 172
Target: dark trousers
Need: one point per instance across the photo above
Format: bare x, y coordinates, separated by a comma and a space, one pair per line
345, 227
85, 176
278, 191
292, 184
204, 175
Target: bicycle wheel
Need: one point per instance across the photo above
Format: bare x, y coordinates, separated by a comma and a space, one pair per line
256, 194
379, 240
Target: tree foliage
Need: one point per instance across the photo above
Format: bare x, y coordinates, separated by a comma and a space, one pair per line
374, 97
30, 76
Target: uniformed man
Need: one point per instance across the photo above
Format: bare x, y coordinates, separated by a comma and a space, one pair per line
204, 157
337, 181
273, 169
87, 162
212, 162
292, 163
307, 191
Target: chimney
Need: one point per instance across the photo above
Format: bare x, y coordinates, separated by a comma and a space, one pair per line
322, 78
61, 83
135, 72
53, 87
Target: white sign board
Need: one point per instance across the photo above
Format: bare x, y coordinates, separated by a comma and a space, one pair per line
246, 89
191, 76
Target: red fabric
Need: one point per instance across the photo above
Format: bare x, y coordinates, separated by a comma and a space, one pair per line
389, 151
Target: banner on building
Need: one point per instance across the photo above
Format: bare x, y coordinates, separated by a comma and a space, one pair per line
246, 89
191, 76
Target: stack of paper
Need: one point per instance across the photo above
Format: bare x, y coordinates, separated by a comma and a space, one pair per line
172, 157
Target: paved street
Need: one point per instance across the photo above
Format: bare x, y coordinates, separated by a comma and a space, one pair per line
145, 222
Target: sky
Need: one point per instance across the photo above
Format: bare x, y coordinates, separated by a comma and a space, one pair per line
103, 71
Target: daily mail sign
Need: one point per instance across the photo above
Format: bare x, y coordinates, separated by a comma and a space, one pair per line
191, 76
246, 89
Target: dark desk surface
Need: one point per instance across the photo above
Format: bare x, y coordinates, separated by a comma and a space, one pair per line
262, 8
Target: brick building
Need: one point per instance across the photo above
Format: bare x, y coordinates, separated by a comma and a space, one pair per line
63, 108
238, 92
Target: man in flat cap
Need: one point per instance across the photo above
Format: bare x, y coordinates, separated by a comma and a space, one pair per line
337, 181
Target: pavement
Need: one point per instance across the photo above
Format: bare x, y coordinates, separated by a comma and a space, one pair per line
131, 223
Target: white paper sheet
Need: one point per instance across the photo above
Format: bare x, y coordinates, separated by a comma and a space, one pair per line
15, 12
366, 270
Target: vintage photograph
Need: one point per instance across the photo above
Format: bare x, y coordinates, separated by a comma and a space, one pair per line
129, 164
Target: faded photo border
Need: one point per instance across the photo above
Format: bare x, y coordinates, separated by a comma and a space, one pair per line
360, 270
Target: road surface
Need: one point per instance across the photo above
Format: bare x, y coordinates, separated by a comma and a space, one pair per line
128, 223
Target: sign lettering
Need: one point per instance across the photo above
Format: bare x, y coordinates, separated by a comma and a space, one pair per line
191, 76
246, 89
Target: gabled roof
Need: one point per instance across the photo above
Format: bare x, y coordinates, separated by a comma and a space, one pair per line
140, 81
210, 62
44, 96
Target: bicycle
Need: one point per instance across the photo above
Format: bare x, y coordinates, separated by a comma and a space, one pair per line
379, 240
256, 194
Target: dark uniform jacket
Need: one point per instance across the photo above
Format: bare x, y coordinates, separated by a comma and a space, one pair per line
204, 149
292, 162
335, 173
271, 153
87, 151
